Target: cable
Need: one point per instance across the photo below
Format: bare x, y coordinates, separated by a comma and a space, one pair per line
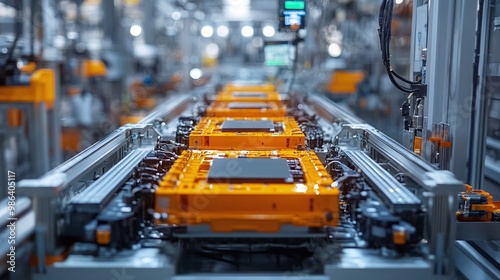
385, 22
18, 8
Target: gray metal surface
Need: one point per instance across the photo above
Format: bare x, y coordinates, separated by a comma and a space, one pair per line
330, 110
483, 90
478, 231
127, 265
256, 94
247, 126
253, 276
169, 109
97, 194
286, 231
473, 264
249, 105
460, 95
247, 170
397, 196
369, 264
76, 167
24, 227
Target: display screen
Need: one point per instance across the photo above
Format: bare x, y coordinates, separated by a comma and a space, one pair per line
277, 54
295, 5
290, 13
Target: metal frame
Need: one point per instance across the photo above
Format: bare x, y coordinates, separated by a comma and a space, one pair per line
441, 184
57, 187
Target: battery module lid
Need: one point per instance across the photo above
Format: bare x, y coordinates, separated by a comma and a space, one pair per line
249, 170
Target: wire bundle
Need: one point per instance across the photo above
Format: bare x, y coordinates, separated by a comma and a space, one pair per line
385, 21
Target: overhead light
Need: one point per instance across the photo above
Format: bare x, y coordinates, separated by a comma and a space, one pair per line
237, 3
268, 31
399, 1
135, 30
334, 50
207, 31
212, 50
176, 15
247, 31
222, 31
195, 73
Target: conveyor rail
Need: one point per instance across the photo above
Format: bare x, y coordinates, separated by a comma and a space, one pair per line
95, 196
397, 197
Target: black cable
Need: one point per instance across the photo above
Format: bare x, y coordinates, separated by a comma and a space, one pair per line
32, 29
385, 21
18, 7
403, 79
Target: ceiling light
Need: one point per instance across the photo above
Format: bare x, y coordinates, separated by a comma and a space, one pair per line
195, 73
207, 31
212, 50
135, 30
268, 31
247, 31
176, 15
334, 50
222, 31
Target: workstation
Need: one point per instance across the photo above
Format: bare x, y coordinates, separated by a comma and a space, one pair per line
249, 139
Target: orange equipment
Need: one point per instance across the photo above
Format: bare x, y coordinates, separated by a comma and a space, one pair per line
93, 68
41, 89
344, 82
248, 96
477, 205
246, 134
246, 109
248, 93
256, 191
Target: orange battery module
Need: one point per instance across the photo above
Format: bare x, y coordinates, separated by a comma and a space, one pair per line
246, 109
249, 87
248, 96
256, 191
246, 134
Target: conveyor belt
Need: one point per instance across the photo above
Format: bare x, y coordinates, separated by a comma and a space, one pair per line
95, 196
397, 197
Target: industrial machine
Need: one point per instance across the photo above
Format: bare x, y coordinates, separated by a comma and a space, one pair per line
193, 208
240, 179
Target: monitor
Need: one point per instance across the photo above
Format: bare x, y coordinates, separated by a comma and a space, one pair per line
291, 12
277, 54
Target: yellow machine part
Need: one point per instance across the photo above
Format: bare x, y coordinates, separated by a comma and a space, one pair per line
29, 68
344, 82
93, 68
14, 117
187, 197
40, 89
131, 119
209, 135
223, 109
417, 145
70, 140
242, 87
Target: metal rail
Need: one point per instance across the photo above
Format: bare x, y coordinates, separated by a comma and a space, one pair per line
95, 196
397, 197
